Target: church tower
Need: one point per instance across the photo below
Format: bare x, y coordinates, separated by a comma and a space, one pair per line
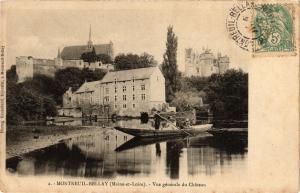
58, 60
90, 43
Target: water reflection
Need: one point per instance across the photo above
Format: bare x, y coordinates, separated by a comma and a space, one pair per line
110, 153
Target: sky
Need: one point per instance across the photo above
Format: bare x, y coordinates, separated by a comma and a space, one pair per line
39, 31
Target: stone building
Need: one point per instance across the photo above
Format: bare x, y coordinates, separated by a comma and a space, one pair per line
204, 64
127, 92
134, 91
71, 55
87, 94
27, 66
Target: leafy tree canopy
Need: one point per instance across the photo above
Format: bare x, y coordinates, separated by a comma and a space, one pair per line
37, 98
188, 100
227, 94
75, 77
132, 61
91, 57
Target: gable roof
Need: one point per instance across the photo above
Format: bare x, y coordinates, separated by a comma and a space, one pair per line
75, 52
88, 86
123, 75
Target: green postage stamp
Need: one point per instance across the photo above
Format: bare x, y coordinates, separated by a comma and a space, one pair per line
263, 29
274, 28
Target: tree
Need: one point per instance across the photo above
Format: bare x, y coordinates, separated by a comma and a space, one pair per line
133, 61
146, 60
37, 98
89, 56
74, 77
196, 83
104, 58
227, 94
11, 74
169, 65
188, 100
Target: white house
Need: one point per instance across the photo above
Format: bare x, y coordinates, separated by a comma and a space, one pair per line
127, 92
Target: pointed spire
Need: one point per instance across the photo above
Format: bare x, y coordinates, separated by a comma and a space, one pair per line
90, 34
90, 43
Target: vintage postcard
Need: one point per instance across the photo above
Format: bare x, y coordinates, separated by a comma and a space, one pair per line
149, 96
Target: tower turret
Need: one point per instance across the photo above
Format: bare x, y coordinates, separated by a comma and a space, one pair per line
58, 53
58, 61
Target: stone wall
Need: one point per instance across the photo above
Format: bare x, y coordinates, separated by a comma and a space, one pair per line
44, 67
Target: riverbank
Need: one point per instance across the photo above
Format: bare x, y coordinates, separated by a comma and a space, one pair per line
23, 139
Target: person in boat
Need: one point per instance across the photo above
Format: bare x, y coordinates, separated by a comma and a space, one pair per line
157, 120
172, 122
187, 123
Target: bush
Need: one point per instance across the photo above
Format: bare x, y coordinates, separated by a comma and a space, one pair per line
185, 101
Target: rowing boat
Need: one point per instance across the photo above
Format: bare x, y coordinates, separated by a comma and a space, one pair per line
165, 133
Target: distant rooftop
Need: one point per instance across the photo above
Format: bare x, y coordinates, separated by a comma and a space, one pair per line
75, 52
124, 75
88, 86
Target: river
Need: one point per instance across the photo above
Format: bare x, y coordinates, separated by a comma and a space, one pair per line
108, 153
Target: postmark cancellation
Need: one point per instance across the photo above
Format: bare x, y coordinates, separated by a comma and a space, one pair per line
263, 29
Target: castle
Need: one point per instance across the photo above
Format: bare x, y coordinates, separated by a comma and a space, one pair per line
204, 64
28, 66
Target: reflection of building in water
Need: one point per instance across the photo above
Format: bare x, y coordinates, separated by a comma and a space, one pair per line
208, 160
201, 160
95, 156
174, 149
102, 160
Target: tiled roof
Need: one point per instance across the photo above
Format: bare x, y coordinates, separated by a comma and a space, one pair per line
123, 75
75, 52
88, 86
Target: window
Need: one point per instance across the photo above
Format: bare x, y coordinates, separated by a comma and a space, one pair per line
116, 106
107, 90
124, 97
115, 80
133, 97
143, 96
124, 88
198, 70
106, 98
124, 106
133, 105
132, 88
115, 98
143, 87
115, 89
